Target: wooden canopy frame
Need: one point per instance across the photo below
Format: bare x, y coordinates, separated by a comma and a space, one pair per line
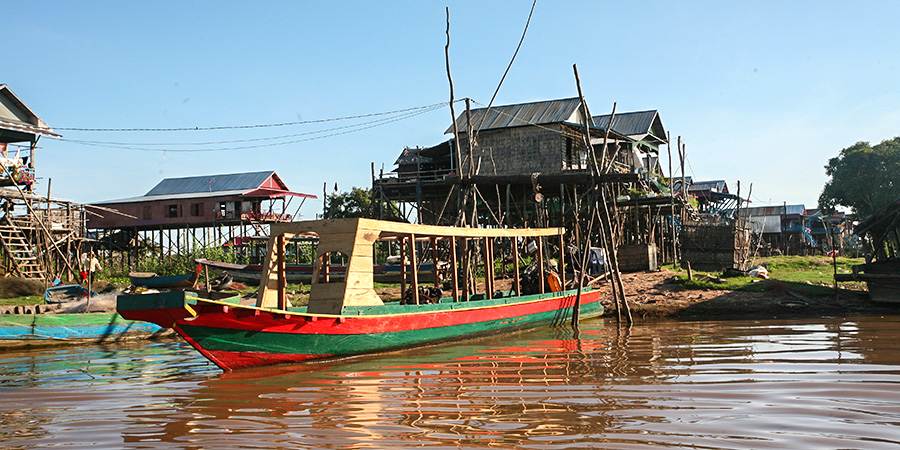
356, 238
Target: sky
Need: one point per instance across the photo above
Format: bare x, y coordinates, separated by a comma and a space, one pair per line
762, 93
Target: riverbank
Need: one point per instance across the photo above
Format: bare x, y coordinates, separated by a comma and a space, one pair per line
656, 295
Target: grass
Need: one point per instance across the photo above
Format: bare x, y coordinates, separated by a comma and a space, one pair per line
28, 300
813, 275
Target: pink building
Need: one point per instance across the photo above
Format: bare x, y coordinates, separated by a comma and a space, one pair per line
202, 201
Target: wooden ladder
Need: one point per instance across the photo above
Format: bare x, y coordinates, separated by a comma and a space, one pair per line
20, 252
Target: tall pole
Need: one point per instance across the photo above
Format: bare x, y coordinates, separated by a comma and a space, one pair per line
672, 201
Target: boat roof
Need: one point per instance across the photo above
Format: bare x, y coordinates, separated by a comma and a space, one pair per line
389, 230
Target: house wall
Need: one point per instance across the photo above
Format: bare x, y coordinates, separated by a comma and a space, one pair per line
190, 211
520, 150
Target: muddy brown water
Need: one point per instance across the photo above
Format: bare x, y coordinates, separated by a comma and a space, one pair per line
810, 384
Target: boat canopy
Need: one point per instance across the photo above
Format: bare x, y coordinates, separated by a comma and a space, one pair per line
355, 238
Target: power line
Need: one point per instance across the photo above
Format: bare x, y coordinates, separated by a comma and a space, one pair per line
346, 130
115, 144
268, 125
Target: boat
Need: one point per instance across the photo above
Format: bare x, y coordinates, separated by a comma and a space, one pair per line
67, 293
252, 273
29, 330
346, 317
52, 324
881, 271
302, 273
154, 281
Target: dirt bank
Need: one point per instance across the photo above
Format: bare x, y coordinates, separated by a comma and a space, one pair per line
653, 295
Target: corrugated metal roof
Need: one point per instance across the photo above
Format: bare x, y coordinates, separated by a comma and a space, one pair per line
772, 210
411, 156
630, 123
150, 198
210, 183
713, 186
536, 113
16, 116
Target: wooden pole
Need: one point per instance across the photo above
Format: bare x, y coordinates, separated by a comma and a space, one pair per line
454, 266
488, 288
434, 262
672, 201
562, 261
540, 257
282, 296
517, 277
452, 109
402, 266
415, 269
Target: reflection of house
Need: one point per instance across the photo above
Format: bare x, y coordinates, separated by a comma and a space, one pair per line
202, 201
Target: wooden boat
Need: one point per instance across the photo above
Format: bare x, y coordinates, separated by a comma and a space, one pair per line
154, 281
42, 325
252, 273
882, 280
346, 317
881, 272
302, 273
67, 293
27, 330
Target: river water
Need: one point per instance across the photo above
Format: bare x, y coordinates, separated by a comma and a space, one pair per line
808, 384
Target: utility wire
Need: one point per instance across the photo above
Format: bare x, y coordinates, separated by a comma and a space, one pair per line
237, 141
268, 125
346, 130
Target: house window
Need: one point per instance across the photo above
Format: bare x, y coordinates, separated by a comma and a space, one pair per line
173, 211
229, 210
147, 215
576, 157
196, 209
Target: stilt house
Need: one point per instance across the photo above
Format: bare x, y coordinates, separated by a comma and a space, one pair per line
179, 214
38, 234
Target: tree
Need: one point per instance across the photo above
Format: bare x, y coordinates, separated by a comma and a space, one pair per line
863, 178
343, 205
358, 203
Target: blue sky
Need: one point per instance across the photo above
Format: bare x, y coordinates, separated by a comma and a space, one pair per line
761, 92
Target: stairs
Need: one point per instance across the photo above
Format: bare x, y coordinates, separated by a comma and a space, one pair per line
21, 253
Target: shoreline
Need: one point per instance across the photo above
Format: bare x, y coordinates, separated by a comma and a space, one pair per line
654, 296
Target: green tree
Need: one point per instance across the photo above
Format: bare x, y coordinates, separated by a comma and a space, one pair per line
358, 203
343, 205
864, 178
